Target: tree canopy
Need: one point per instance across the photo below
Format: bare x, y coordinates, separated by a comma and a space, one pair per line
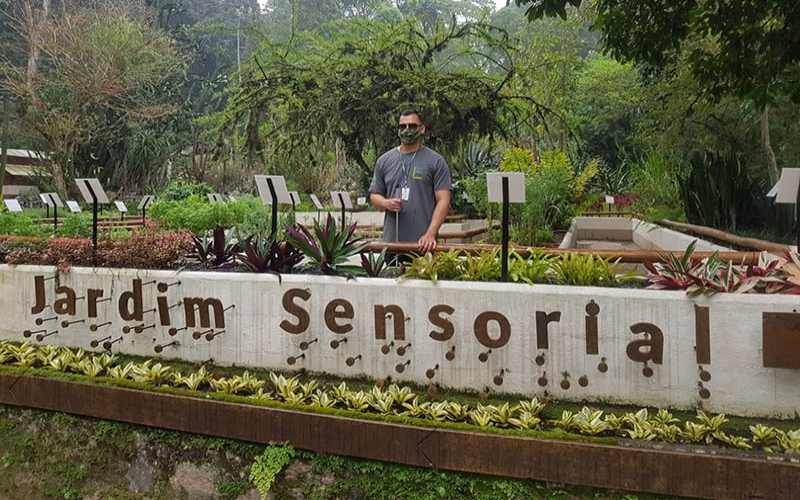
751, 48
350, 83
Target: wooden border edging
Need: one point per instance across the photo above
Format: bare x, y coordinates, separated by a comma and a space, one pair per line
615, 467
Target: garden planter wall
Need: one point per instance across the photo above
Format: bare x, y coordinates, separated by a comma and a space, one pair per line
728, 353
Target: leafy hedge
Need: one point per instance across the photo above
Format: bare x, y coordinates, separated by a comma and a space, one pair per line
143, 249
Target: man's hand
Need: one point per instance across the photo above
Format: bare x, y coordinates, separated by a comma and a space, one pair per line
393, 204
427, 243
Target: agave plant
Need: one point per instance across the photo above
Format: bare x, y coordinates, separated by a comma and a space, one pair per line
328, 249
218, 250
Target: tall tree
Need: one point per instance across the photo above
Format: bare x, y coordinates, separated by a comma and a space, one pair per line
349, 87
99, 68
750, 48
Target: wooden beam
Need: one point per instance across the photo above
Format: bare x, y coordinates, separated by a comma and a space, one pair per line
739, 241
658, 471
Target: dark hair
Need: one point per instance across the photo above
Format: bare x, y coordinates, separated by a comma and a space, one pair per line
413, 112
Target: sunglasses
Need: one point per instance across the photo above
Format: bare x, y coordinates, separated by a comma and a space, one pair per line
409, 126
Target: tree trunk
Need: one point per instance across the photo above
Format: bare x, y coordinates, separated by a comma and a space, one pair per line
4, 145
36, 23
772, 163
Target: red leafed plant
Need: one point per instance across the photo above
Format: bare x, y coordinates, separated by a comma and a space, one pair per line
146, 249
711, 275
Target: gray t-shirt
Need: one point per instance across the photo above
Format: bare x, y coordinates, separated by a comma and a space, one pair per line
424, 172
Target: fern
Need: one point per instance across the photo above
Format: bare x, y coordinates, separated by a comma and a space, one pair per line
268, 465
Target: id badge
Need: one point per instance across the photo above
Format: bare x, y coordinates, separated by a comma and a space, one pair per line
404, 192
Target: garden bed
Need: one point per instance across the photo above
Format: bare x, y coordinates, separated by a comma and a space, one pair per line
641, 347
660, 471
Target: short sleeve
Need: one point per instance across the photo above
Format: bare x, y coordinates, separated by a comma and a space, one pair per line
378, 184
441, 176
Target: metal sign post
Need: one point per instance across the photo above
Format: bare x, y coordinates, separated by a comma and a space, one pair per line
272, 190
122, 209
295, 196
505, 188
93, 193
52, 200
789, 192
317, 204
341, 199
144, 204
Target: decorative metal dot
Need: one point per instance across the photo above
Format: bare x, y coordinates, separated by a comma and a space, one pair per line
647, 371
542, 381
705, 393
162, 287
539, 360
602, 367
705, 376
592, 309
498, 380
565, 384
583, 381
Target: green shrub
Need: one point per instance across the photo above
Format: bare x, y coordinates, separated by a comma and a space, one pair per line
258, 219
654, 179
552, 194
198, 215
16, 224
76, 226
177, 191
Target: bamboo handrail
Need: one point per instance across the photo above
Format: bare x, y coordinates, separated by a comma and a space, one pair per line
741, 241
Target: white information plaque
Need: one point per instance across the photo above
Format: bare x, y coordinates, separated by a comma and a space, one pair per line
516, 186
91, 187
345, 198
12, 205
278, 184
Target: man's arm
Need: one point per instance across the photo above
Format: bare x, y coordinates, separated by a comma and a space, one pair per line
383, 203
428, 240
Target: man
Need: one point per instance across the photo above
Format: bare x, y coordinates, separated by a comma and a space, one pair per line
412, 184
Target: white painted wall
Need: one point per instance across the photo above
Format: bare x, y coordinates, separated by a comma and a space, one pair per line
253, 336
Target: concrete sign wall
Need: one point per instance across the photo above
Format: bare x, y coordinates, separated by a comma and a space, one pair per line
729, 353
